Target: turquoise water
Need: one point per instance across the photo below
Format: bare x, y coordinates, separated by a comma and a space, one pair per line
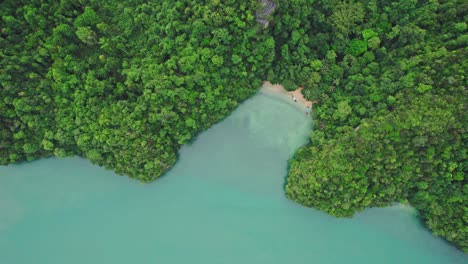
223, 202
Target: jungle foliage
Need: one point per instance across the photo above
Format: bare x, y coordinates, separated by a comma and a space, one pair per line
125, 83
391, 122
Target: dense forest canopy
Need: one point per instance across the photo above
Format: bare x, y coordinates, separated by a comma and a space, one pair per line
391, 119
125, 83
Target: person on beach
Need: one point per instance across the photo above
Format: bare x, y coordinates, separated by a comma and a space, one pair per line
307, 110
294, 98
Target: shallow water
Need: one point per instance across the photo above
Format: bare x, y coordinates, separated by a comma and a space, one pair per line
223, 202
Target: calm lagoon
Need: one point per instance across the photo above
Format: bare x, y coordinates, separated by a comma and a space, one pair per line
223, 202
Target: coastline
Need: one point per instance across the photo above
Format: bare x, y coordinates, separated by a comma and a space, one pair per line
279, 89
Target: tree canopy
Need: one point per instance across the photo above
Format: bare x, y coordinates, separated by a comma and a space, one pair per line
391, 120
126, 83
123, 84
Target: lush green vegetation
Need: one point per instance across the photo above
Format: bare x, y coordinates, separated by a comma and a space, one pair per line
125, 83
391, 122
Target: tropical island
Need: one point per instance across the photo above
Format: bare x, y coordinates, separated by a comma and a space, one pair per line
126, 84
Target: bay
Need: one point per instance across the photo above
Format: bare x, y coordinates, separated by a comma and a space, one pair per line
223, 202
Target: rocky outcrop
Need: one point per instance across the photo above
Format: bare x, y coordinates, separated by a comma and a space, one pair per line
267, 7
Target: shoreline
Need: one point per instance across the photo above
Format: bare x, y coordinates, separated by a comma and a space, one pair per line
279, 89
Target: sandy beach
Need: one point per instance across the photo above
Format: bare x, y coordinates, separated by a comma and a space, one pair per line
278, 89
